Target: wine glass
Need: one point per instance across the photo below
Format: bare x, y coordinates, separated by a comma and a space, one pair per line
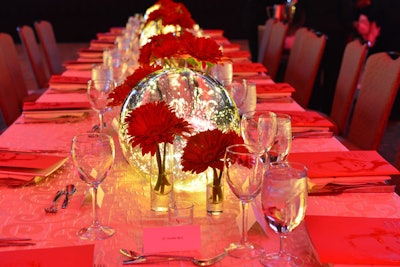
238, 90
92, 155
283, 139
284, 202
258, 128
245, 169
98, 91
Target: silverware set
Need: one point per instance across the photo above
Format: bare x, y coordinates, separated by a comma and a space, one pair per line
68, 192
137, 258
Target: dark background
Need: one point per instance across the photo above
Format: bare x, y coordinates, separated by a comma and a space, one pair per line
80, 20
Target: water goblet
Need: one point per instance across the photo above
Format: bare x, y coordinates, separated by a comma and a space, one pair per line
245, 169
258, 128
98, 91
238, 90
93, 155
283, 139
284, 202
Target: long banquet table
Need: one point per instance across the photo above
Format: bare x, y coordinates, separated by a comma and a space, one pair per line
126, 204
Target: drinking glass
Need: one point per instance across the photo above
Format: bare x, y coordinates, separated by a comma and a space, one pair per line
245, 169
238, 90
258, 128
93, 155
98, 91
284, 202
283, 139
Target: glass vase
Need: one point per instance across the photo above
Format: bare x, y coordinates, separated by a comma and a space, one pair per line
214, 192
162, 177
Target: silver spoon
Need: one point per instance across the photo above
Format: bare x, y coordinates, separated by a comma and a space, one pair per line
53, 208
136, 258
69, 191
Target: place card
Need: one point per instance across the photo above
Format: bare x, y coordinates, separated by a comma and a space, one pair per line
355, 240
171, 238
81, 256
353, 163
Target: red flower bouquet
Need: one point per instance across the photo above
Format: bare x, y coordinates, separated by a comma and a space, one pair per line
152, 126
207, 149
172, 13
197, 52
119, 94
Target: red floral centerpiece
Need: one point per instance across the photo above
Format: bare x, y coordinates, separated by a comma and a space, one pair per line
206, 150
153, 126
197, 52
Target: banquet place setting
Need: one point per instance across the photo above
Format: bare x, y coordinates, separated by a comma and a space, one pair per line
163, 144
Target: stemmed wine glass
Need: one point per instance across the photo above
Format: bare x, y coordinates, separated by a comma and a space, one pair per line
93, 155
98, 91
283, 139
258, 128
245, 169
238, 90
284, 202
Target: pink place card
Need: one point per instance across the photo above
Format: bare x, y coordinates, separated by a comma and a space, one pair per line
81, 256
355, 240
171, 238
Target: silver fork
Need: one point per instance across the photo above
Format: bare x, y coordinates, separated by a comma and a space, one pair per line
54, 204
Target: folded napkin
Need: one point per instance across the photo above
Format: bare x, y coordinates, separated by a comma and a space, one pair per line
353, 163
46, 106
67, 83
268, 90
106, 36
99, 44
17, 180
245, 69
117, 30
355, 240
53, 116
81, 65
81, 255
303, 121
90, 53
21, 163
260, 79
238, 55
227, 48
213, 32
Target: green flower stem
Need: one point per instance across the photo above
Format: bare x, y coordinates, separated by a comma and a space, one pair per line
162, 179
217, 195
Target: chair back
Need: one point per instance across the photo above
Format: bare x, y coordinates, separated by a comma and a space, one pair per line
48, 42
10, 57
265, 37
274, 48
378, 87
9, 102
349, 75
303, 63
34, 55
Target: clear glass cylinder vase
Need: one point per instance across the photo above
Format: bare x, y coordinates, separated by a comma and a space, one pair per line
214, 192
162, 177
